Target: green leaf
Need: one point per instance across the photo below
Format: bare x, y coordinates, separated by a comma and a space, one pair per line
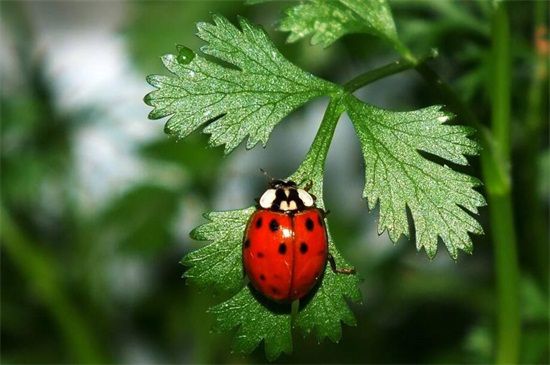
398, 176
255, 322
257, 319
218, 266
249, 97
328, 308
328, 20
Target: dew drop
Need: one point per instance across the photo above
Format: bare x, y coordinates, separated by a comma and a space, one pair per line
185, 55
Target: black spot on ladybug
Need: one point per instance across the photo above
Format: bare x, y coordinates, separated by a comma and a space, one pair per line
274, 225
260, 255
274, 290
320, 220
262, 277
309, 224
247, 243
259, 223
303, 247
282, 248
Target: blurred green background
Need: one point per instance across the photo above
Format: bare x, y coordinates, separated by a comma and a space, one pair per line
97, 203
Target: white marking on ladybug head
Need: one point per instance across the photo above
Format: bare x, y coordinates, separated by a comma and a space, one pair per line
305, 197
284, 205
287, 192
292, 205
267, 198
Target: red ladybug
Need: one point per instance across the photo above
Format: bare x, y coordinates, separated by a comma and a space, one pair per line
285, 246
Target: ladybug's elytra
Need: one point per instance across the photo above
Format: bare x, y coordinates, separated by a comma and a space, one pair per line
285, 246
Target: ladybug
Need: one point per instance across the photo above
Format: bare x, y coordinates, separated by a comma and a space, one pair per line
285, 244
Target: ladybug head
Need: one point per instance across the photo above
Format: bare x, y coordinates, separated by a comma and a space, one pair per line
285, 196
282, 184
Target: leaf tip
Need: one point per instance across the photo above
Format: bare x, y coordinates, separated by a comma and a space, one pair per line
169, 130
156, 113
244, 23
201, 26
148, 99
152, 80
168, 61
431, 251
219, 19
195, 234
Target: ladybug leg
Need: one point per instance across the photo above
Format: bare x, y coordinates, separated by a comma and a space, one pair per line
336, 270
308, 185
325, 212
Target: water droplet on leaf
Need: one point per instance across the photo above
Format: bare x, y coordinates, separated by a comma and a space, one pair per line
185, 55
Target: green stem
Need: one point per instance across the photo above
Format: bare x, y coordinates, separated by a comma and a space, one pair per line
409, 61
495, 162
376, 74
37, 266
500, 201
311, 169
507, 277
406, 63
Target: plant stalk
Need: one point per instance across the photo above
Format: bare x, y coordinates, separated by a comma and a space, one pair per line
377, 74
405, 63
495, 163
317, 154
500, 200
409, 61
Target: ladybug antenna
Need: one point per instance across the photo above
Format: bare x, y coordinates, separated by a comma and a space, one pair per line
269, 177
